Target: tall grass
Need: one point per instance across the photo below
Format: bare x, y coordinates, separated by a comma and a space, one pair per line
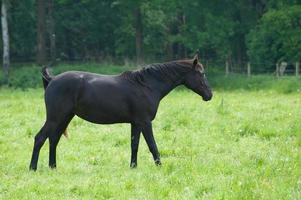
285, 84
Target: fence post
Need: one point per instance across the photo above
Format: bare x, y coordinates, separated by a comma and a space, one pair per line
277, 70
282, 67
297, 68
227, 68
249, 69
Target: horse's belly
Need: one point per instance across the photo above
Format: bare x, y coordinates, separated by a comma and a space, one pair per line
107, 113
103, 118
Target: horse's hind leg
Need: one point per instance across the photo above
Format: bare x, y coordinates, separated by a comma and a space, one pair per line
39, 140
53, 141
54, 138
52, 130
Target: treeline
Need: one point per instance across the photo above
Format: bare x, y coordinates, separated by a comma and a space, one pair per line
259, 31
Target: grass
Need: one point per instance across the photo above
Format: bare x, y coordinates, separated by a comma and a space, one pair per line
241, 145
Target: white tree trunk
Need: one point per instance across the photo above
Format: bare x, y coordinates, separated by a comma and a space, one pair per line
5, 39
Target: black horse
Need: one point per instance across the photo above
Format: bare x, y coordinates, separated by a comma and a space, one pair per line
131, 97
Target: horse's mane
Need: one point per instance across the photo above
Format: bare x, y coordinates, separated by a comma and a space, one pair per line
168, 71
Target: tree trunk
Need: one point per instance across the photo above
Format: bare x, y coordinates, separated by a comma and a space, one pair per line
5, 38
41, 32
183, 24
139, 35
51, 32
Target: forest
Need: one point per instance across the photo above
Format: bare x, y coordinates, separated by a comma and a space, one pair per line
263, 32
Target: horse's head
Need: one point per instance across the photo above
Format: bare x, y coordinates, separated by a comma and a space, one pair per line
197, 81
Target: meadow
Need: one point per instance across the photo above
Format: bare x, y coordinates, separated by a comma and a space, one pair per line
244, 144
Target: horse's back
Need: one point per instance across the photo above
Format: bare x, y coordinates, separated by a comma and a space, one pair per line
73, 81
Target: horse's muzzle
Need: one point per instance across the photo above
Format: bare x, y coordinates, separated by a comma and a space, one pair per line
207, 97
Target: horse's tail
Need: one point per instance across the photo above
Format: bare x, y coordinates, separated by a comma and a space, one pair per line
47, 77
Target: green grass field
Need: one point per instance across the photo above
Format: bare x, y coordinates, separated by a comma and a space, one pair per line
241, 145
244, 144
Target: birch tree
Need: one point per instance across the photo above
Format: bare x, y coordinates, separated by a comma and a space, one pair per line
5, 39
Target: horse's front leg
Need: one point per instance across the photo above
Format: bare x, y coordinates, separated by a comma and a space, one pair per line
135, 136
150, 140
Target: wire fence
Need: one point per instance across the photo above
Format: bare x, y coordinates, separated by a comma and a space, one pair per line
226, 67
249, 68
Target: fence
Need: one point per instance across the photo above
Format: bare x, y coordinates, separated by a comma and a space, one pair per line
248, 68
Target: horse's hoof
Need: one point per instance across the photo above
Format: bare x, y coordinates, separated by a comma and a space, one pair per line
133, 165
31, 168
158, 162
52, 166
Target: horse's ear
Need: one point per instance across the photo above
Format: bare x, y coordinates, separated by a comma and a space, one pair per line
196, 58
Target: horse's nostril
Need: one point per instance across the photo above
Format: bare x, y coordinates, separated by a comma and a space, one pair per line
207, 97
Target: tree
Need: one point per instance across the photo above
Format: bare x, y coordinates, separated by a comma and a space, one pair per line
41, 32
139, 34
5, 38
277, 36
156, 30
22, 30
51, 32
130, 34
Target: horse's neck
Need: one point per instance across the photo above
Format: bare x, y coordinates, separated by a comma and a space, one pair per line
162, 87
